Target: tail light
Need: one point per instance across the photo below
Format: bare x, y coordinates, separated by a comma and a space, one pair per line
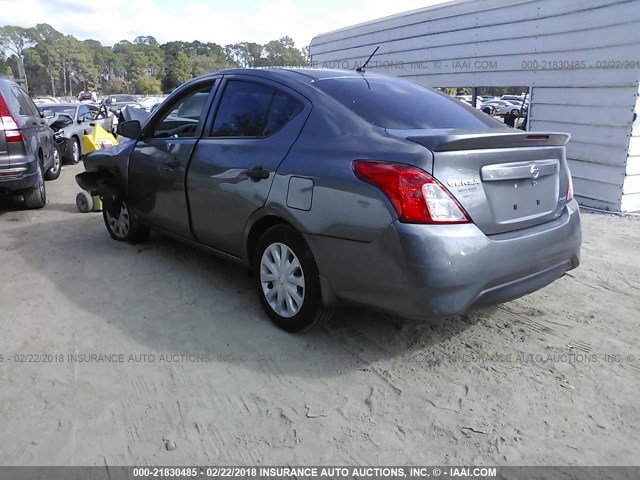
8, 124
569, 195
416, 196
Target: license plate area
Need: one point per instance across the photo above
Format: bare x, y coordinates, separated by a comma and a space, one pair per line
514, 195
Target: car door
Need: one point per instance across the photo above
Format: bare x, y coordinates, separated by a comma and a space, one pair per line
100, 117
159, 160
233, 166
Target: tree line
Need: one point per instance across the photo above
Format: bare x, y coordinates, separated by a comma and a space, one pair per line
51, 63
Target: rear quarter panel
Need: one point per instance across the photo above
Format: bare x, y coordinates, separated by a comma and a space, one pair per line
341, 205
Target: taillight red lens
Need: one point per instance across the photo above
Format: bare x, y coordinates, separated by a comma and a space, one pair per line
569, 195
416, 196
8, 124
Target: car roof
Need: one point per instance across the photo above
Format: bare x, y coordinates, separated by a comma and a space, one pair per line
305, 75
61, 104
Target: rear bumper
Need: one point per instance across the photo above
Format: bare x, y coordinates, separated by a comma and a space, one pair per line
18, 177
442, 270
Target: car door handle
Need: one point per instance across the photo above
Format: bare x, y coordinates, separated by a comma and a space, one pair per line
173, 163
257, 173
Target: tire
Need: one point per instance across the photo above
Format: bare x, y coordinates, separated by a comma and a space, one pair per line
72, 155
125, 227
84, 202
290, 294
37, 196
56, 168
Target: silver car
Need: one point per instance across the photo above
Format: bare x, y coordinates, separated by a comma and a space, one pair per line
345, 187
83, 118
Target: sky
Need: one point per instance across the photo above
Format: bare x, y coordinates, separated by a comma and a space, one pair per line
222, 22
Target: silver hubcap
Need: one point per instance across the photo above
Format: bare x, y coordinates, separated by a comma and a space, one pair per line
282, 280
41, 183
56, 161
120, 226
75, 150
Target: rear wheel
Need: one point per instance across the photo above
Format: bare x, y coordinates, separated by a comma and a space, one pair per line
56, 168
124, 225
36, 197
287, 280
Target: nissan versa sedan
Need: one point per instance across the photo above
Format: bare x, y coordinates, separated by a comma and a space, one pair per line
345, 187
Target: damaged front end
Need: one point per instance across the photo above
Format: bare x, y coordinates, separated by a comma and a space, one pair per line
106, 174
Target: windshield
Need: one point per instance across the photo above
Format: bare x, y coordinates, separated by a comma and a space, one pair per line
397, 104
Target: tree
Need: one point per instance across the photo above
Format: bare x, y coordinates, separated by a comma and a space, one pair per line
60, 64
179, 72
281, 53
148, 85
17, 40
115, 85
245, 54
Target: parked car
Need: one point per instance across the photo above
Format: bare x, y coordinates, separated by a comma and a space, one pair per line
45, 99
488, 109
336, 186
27, 155
83, 117
87, 96
117, 102
149, 103
513, 98
503, 107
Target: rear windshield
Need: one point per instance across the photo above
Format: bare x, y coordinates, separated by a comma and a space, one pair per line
64, 109
123, 98
397, 104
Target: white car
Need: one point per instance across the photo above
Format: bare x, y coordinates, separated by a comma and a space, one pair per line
150, 102
503, 107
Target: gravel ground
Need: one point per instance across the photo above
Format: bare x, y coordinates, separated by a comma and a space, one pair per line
187, 370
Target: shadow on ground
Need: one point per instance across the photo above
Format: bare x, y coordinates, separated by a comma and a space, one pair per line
170, 298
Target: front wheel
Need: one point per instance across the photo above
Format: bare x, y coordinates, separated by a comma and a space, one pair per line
287, 280
123, 225
72, 155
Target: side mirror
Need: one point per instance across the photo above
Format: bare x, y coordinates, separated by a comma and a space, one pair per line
130, 129
47, 114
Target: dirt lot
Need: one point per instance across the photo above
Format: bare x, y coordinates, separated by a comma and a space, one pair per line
195, 374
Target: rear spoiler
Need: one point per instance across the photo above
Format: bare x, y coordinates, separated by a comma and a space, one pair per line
447, 140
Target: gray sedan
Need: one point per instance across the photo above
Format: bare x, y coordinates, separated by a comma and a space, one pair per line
345, 187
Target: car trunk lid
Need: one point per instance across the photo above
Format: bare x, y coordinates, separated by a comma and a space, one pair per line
505, 180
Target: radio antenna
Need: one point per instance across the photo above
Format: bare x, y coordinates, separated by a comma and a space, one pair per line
361, 69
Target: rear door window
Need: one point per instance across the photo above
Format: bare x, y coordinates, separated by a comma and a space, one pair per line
250, 109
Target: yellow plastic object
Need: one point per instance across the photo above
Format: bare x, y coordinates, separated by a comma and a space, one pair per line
97, 139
